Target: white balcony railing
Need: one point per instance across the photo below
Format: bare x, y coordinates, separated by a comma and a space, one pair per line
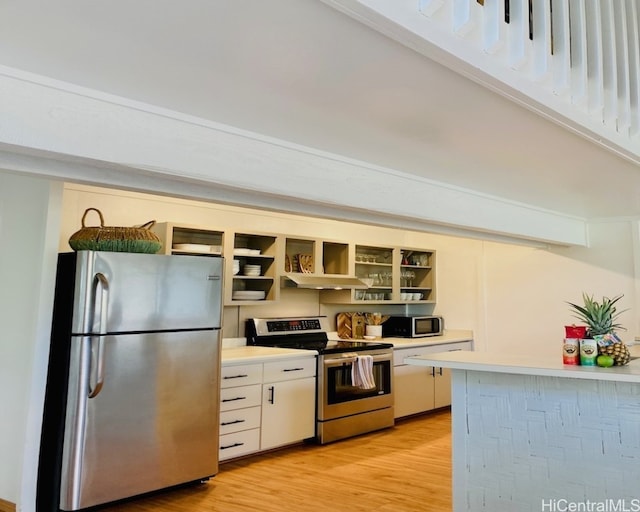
585, 52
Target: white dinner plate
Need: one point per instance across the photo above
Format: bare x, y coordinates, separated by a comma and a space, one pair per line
248, 295
192, 248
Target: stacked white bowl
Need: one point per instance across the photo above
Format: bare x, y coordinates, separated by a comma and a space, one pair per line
252, 270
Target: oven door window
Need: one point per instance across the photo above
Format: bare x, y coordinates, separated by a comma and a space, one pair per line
340, 388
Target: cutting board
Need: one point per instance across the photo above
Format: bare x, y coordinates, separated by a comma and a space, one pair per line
350, 325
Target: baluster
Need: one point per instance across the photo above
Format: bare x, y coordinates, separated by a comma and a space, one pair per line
633, 38
561, 50
623, 103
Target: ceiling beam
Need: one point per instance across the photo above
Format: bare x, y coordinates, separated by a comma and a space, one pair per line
70, 133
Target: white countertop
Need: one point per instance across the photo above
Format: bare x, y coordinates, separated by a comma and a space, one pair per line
252, 354
449, 336
527, 365
235, 350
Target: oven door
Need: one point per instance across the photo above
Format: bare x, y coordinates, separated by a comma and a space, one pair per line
337, 397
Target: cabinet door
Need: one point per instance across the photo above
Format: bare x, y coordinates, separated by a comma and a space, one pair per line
288, 412
414, 390
442, 387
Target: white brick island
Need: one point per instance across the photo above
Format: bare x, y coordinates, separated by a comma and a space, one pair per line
534, 435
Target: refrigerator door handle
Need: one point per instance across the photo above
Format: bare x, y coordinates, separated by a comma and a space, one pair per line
101, 283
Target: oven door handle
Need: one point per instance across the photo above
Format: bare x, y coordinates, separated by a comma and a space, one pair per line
336, 361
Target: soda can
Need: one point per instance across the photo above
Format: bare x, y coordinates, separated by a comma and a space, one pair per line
588, 352
571, 351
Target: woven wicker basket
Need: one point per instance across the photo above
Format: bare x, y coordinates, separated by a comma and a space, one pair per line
115, 239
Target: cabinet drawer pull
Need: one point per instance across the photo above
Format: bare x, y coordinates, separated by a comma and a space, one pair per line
235, 376
225, 423
234, 399
293, 369
234, 445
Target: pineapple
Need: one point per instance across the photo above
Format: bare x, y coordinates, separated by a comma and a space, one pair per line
618, 350
601, 325
599, 317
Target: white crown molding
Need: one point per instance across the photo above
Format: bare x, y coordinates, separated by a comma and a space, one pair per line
71, 133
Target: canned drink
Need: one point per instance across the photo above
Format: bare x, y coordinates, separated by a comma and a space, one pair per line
588, 352
571, 351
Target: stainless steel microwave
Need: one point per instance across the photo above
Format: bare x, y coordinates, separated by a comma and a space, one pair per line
413, 326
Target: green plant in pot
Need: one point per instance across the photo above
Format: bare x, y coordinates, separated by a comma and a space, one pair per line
601, 320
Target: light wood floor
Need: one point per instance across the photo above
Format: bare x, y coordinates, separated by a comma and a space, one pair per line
405, 468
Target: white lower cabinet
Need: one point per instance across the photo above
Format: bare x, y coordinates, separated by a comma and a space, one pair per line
420, 389
240, 410
240, 443
266, 405
442, 387
414, 390
288, 402
239, 419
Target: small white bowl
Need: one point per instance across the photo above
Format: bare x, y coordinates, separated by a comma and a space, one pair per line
369, 338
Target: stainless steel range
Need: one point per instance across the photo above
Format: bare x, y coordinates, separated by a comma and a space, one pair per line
354, 380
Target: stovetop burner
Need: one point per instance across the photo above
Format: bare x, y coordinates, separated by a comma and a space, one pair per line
353, 346
327, 346
308, 333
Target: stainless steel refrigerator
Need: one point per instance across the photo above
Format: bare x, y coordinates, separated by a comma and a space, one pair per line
132, 393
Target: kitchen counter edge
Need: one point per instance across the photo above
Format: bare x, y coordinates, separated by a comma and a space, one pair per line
235, 352
526, 365
256, 354
449, 336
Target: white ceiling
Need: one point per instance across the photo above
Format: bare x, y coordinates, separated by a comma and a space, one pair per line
303, 72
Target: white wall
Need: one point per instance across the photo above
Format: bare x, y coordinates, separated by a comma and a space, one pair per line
526, 289
29, 209
512, 296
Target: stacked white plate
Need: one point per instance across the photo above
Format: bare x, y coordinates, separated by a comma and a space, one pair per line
252, 270
248, 295
240, 251
200, 248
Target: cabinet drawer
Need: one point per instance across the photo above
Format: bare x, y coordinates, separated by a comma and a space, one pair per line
239, 419
399, 355
239, 443
240, 397
241, 375
289, 370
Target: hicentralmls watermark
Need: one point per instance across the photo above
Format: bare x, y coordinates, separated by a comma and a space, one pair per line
608, 505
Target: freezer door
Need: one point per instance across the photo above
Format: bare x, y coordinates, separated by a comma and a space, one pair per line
145, 292
153, 423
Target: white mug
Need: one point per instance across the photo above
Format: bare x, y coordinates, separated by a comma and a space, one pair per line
374, 330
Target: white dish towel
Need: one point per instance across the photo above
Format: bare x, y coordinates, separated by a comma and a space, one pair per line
362, 373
